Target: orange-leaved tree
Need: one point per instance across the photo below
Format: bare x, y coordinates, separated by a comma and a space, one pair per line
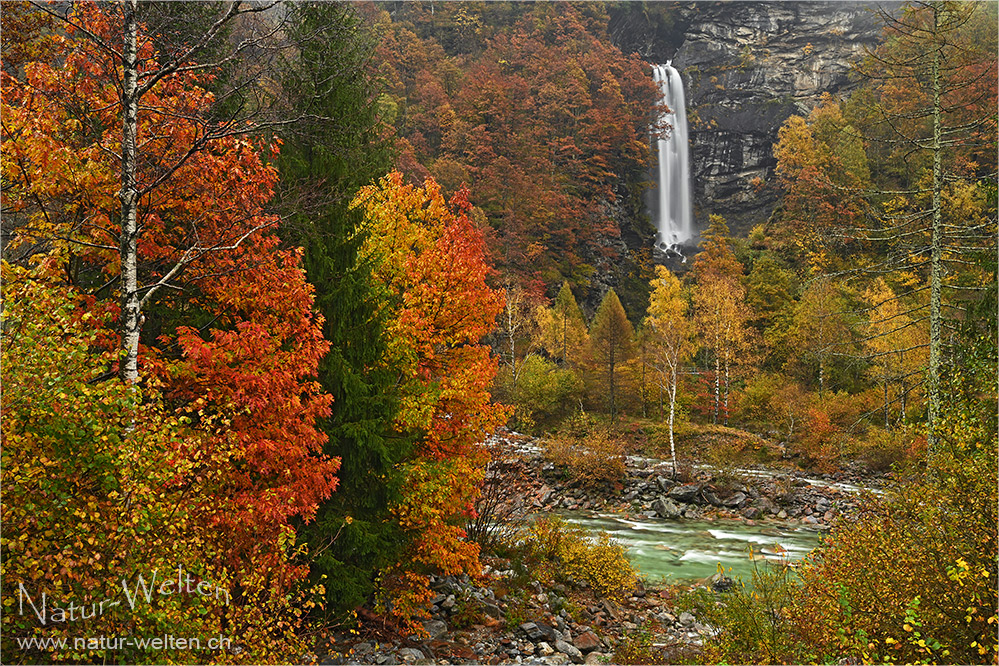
431, 261
229, 338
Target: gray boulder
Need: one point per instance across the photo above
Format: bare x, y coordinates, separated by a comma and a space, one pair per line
687, 493
666, 508
710, 497
410, 654
570, 650
492, 610
436, 628
767, 505
735, 501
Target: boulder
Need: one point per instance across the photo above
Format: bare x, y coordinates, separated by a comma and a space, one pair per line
721, 583
666, 508
767, 505
663, 483
436, 628
586, 642
735, 501
687, 493
710, 497
493, 611
570, 650
544, 649
410, 654
594, 658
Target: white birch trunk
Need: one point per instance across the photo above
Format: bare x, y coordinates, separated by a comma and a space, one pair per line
131, 315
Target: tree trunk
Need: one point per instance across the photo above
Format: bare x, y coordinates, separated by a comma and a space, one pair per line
936, 265
565, 332
886, 402
726, 386
610, 372
131, 316
672, 412
645, 410
717, 386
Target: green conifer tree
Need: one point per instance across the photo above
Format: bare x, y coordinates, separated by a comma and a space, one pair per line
323, 163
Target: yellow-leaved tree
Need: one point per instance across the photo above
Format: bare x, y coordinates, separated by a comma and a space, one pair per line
671, 339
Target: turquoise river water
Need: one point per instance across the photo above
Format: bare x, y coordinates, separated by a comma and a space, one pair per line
680, 551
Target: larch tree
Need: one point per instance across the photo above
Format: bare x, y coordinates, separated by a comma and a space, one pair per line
611, 341
671, 339
931, 89
720, 310
820, 330
564, 332
895, 347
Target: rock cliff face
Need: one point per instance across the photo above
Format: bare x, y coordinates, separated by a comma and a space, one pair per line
747, 66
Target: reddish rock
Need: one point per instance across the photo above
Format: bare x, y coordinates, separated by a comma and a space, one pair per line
586, 642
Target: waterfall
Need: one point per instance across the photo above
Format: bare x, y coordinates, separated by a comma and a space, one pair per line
674, 211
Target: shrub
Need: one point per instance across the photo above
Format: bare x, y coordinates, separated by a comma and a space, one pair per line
545, 393
773, 400
588, 453
882, 450
637, 647
568, 553
845, 410
914, 579
819, 442
758, 626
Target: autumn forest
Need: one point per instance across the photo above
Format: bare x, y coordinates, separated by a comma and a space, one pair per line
341, 333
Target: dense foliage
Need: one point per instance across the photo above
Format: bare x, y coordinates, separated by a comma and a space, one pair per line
534, 109
253, 332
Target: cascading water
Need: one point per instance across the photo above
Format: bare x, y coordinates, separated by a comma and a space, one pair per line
674, 210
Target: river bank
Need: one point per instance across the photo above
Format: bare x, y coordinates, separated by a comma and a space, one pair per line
504, 617
648, 490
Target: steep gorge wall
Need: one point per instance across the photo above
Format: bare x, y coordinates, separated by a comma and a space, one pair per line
747, 67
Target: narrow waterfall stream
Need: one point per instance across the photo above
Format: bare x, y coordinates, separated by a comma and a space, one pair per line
678, 551
674, 214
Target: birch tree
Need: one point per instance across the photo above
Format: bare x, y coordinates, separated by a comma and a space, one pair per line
240, 39
896, 348
720, 310
671, 339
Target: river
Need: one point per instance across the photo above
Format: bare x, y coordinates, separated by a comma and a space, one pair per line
680, 551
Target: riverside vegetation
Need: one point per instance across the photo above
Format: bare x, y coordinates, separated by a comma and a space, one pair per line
276, 280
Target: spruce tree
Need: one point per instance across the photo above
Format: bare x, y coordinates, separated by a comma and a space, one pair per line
323, 163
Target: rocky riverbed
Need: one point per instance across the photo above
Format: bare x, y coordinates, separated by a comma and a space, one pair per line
649, 490
499, 619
